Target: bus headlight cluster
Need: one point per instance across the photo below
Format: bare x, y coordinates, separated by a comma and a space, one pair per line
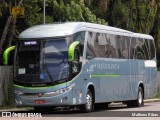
61, 91
18, 92
48, 94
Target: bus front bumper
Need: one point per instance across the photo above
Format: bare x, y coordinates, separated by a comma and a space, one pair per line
39, 99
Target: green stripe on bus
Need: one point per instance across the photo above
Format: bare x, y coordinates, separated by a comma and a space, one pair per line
105, 75
33, 88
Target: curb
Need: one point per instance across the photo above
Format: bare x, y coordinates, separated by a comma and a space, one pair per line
152, 100
16, 109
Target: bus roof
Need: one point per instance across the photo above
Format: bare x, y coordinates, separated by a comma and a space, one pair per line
68, 28
53, 30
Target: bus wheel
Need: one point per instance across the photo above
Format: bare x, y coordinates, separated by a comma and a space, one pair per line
89, 106
140, 100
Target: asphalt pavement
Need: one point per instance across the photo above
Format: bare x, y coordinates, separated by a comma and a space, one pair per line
112, 104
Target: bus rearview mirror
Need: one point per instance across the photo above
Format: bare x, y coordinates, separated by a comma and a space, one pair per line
71, 50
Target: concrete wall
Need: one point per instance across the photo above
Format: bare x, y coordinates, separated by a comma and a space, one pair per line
6, 95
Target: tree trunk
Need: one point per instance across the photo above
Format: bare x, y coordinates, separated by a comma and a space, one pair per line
11, 32
4, 38
156, 27
4, 34
6, 31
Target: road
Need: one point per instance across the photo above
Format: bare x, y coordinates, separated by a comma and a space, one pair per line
150, 111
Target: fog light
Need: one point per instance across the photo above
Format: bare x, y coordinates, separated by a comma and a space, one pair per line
63, 99
18, 101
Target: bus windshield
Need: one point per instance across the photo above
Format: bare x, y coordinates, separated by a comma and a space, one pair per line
54, 60
44, 61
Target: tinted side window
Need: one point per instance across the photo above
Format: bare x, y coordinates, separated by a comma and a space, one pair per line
142, 49
91, 43
101, 45
152, 49
111, 46
123, 44
146, 49
79, 36
132, 48
108, 45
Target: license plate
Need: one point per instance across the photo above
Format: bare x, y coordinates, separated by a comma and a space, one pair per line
39, 101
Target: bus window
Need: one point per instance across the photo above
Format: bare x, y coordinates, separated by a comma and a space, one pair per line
28, 58
152, 49
110, 46
91, 52
79, 36
132, 48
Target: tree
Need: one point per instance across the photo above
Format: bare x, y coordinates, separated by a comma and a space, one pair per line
134, 15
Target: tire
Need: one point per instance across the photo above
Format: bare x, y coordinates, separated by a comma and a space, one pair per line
139, 102
140, 99
89, 106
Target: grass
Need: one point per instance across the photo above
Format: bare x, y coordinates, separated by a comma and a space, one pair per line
14, 107
7, 107
158, 95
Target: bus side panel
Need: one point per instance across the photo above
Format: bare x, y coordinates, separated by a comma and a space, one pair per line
142, 74
151, 82
87, 71
113, 79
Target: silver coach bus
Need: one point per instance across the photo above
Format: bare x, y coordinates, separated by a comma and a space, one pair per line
83, 64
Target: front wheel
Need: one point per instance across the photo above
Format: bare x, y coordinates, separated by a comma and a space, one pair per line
89, 106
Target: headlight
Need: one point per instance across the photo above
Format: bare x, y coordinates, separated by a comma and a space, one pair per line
18, 92
49, 94
71, 86
61, 91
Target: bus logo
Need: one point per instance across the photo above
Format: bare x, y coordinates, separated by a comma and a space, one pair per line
41, 76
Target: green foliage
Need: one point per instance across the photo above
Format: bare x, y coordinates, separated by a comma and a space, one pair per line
141, 16
134, 15
57, 11
34, 13
158, 95
158, 58
72, 10
3, 7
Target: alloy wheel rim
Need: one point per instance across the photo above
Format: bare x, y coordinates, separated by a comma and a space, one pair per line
89, 101
140, 98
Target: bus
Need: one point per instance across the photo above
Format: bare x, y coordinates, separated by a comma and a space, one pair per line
80, 64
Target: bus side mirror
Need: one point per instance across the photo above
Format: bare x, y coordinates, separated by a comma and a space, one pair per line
6, 54
74, 56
